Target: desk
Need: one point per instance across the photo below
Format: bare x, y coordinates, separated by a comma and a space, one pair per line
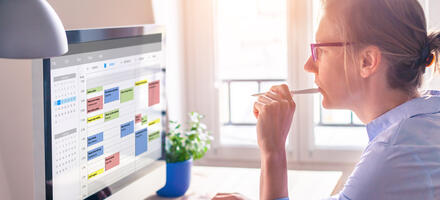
207, 181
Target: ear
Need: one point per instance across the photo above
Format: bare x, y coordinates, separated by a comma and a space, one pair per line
370, 59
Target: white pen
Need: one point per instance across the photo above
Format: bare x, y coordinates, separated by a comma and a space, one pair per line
293, 92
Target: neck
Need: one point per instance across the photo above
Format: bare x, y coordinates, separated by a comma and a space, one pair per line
376, 102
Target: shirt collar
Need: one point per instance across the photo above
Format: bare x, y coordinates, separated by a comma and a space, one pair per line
428, 103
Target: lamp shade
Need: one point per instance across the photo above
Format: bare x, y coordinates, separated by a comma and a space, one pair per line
30, 29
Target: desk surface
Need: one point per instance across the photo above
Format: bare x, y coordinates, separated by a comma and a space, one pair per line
207, 181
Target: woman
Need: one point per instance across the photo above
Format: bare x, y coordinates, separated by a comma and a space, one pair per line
369, 58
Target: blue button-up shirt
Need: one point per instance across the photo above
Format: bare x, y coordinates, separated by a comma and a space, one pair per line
402, 159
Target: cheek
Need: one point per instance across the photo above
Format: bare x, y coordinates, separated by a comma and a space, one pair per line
332, 74
333, 81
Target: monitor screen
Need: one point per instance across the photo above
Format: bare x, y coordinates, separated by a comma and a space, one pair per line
104, 110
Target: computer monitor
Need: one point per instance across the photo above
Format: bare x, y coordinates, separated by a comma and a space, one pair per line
104, 111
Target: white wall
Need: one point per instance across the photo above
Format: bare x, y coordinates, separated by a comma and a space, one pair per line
16, 149
77, 14
16, 128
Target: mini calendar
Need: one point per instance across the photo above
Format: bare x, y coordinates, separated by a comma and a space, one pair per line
64, 97
65, 151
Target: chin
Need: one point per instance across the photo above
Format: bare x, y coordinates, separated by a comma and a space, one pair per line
327, 104
325, 101
332, 103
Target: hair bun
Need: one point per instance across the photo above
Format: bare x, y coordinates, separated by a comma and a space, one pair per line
429, 60
426, 57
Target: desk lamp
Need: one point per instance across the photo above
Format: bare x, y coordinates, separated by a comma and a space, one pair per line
30, 29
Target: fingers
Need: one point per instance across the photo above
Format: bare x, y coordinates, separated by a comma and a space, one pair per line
281, 101
278, 93
259, 105
229, 193
221, 196
266, 99
283, 91
228, 196
274, 96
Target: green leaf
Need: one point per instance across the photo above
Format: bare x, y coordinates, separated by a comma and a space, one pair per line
184, 144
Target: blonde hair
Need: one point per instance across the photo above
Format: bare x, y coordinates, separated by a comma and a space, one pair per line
397, 27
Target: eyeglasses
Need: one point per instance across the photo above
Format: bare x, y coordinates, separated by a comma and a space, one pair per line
315, 49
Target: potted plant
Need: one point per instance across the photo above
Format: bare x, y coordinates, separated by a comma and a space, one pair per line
182, 147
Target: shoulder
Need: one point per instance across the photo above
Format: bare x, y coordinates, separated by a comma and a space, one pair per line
417, 130
406, 151
388, 171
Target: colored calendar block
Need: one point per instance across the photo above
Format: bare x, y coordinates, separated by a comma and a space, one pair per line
141, 141
153, 93
141, 82
94, 153
111, 161
144, 119
111, 115
94, 104
65, 100
111, 95
154, 122
154, 136
127, 128
127, 95
93, 90
96, 173
94, 139
138, 118
94, 118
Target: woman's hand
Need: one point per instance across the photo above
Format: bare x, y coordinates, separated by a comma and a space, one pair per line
274, 112
229, 196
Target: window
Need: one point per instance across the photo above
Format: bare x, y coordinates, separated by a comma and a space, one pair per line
251, 57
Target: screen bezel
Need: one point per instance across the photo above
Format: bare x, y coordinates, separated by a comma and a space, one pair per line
84, 36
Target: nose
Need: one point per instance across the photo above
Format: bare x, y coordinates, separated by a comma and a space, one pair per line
310, 66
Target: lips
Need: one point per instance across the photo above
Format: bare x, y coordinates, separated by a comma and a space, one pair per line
319, 88
317, 84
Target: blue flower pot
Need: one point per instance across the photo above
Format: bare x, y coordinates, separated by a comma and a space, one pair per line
178, 179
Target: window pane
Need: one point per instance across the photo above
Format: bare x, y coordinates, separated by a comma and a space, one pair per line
242, 101
239, 135
251, 45
251, 39
342, 137
265, 86
335, 116
356, 120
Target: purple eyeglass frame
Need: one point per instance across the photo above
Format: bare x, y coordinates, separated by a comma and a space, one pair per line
313, 47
